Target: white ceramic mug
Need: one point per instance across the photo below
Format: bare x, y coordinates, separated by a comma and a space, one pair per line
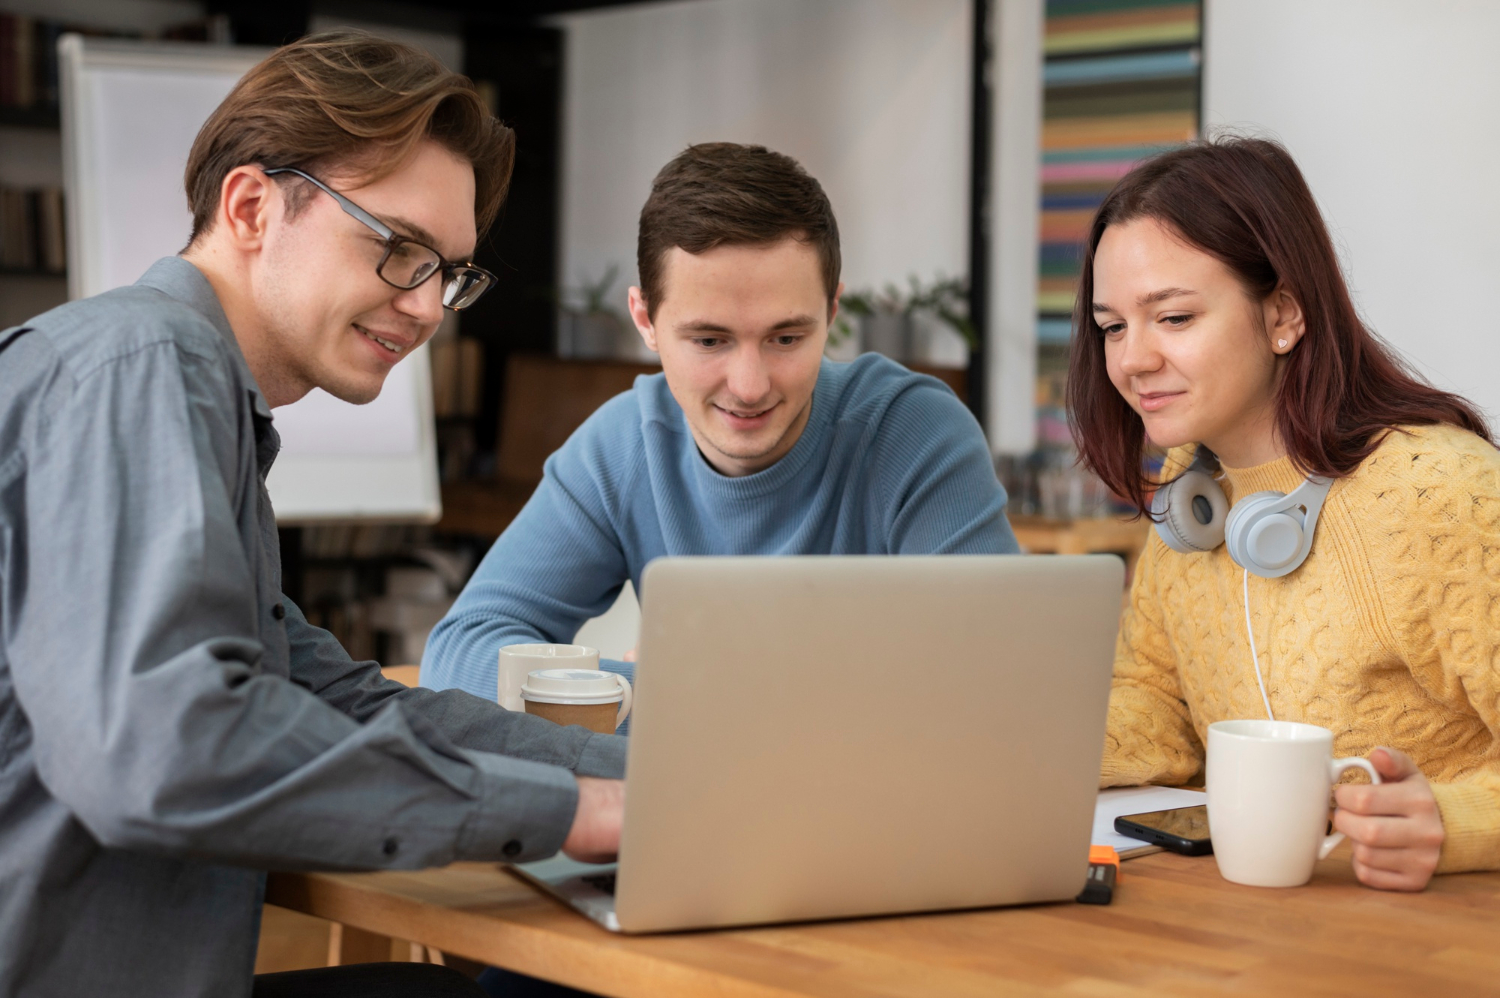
1269, 784
587, 697
517, 661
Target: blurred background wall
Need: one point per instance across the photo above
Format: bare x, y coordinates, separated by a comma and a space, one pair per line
1392, 109
871, 96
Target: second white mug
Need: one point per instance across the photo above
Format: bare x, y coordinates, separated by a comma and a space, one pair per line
1268, 794
518, 660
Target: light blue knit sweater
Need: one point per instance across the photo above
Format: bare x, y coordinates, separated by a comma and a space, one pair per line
890, 462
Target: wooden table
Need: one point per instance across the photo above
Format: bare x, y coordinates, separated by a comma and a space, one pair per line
1175, 928
1040, 535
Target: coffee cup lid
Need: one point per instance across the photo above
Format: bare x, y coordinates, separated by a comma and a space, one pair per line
550, 651
572, 686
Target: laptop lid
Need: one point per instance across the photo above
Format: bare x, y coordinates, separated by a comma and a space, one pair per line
823, 737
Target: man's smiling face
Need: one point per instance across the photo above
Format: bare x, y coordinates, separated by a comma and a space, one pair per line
741, 330
329, 320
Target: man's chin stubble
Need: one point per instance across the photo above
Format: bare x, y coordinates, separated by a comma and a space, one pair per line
755, 455
353, 392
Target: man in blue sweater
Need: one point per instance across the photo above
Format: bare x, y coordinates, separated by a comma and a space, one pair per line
748, 442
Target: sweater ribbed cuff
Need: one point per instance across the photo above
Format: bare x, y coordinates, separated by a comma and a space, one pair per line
1114, 772
1471, 827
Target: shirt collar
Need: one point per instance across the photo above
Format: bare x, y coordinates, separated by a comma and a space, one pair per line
176, 278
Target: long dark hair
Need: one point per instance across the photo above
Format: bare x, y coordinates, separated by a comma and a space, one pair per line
1244, 202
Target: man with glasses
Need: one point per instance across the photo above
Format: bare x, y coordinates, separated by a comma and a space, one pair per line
170, 724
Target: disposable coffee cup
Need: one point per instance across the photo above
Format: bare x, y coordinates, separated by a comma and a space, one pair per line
599, 701
1269, 789
518, 661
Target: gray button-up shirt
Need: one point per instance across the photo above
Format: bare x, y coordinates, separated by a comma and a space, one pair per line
170, 724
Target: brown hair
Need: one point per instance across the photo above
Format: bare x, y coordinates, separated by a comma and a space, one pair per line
1244, 202
723, 193
354, 101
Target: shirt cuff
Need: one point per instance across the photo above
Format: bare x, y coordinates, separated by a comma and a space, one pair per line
603, 756
525, 810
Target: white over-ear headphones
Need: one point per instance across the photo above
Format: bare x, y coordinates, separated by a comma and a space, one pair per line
1268, 534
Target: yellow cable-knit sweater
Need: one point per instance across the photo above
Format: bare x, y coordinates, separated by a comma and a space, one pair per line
1389, 633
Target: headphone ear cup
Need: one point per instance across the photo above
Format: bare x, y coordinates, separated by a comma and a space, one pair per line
1191, 513
1239, 532
1261, 539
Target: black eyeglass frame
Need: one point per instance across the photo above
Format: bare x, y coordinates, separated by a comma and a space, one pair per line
394, 239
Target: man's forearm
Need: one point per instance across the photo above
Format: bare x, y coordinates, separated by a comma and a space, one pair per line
358, 689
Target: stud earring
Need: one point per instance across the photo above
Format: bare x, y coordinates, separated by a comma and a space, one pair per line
1281, 343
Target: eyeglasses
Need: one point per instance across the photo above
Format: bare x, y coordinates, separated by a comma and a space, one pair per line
407, 263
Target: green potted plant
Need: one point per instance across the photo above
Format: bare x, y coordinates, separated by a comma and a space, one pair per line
887, 318
588, 326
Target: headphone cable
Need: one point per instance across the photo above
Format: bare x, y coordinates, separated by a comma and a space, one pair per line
1254, 657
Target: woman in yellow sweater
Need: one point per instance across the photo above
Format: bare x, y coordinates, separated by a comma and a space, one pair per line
1213, 318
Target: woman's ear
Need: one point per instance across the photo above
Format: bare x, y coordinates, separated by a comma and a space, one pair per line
1285, 323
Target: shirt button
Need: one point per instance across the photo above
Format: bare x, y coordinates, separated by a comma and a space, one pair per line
511, 848
279, 611
390, 846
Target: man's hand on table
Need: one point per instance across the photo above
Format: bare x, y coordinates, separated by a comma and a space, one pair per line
595, 835
1395, 826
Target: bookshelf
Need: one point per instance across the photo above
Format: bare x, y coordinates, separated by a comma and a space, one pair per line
33, 258
32, 262
1122, 81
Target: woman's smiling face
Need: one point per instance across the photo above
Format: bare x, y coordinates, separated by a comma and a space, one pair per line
1186, 347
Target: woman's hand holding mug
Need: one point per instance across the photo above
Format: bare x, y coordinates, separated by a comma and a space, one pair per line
1268, 791
1395, 826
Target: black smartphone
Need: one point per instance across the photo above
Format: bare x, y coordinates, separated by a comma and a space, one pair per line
1182, 829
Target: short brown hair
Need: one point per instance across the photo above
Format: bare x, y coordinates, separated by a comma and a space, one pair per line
347, 99
723, 193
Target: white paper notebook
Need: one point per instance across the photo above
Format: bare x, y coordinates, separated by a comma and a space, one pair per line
1136, 800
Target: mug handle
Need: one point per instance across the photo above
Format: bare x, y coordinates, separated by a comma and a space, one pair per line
1335, 770
629, 697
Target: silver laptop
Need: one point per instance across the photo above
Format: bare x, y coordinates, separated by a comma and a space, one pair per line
829, 737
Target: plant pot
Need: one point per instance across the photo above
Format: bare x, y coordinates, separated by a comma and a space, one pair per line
591, 335
889, 333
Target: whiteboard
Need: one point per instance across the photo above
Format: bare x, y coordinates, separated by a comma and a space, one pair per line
130, 112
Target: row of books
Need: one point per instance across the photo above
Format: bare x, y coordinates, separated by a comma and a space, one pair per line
1120, 84
457, 376
28, 61
28, 53
31, 230
349, 541
1076, 27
